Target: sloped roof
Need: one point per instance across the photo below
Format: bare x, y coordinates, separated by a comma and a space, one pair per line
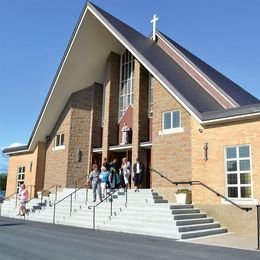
115, 33
224, 84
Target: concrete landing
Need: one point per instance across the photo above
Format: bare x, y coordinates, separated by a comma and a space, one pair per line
232, 240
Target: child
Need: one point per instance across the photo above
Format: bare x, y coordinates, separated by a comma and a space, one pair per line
104, 179
23, 196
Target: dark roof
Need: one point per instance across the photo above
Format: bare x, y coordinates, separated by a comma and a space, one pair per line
15, 149
227, 86
232, 112
164, 67
180, 82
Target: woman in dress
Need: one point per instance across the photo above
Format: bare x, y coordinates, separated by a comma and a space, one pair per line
125, 171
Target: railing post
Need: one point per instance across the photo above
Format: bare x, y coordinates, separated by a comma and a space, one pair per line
41, 197
126, 196
111, 204
70, 204
258, 226
16, 200
1, 203
30, 191
86, 194
94, 216
76, 184
54, 213
56, 192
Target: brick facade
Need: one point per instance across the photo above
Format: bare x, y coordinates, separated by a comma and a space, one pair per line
110, 127
34, 169
171, 153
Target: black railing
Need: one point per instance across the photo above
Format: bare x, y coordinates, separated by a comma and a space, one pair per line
204, 185
111, 204
258, 226
71, 201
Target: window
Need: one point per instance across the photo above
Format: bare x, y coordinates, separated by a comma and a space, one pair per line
238, 172
171, 120
20, 176
59, 140
126, 89
150, 97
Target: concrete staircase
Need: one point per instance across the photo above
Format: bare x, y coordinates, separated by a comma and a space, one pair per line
145, 213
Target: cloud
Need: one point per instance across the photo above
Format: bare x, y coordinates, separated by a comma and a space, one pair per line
4, 158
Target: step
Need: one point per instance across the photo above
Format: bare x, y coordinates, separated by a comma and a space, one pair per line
181, 206
185, 211
160, 201
188, 228
193, 221
189, 216
201, 233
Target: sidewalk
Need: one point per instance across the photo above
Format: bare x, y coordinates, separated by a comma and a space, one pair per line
232, 240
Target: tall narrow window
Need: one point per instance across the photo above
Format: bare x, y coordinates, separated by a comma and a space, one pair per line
238, 172
20, 176
150, 98
126, 92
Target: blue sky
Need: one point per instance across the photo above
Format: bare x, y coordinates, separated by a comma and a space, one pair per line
34, 35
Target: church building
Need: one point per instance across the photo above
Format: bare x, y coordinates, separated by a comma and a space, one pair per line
118, 93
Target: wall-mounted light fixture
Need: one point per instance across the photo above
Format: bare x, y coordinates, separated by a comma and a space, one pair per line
47, 138
206, 147
31, 164
79, 155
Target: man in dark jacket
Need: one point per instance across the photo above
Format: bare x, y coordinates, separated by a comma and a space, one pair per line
138, 173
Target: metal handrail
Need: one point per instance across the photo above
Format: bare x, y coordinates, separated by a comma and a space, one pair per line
77, 181
16, 193
44, 190
105, 199
69, 195
204, 185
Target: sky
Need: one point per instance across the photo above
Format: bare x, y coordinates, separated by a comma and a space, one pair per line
34, 35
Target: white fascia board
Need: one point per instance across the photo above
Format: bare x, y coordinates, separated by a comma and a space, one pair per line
154, 72
193, 66
230, 119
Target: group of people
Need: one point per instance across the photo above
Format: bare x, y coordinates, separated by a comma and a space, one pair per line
112, 176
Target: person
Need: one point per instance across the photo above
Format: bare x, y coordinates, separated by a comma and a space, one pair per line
125, 171
138, 169
94, 179
23, 196
104, 179
105, 163
114, 179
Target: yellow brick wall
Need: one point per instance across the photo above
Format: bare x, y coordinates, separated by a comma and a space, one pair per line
15, 161
212, 172
171, 153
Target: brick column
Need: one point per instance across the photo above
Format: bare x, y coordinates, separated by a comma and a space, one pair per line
140, 114
110, 128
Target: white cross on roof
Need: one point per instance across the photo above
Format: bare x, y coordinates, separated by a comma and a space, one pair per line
153, 21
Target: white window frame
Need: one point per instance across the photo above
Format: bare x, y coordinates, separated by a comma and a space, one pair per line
22, 173
171, 130
128, 79
239, 199
59, 146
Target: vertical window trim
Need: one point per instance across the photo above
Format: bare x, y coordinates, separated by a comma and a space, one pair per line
238, 185
128, 78
20, 173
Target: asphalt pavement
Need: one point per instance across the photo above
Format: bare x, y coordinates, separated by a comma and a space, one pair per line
29, 240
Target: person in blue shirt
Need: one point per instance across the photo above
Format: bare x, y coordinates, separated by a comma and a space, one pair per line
104, 180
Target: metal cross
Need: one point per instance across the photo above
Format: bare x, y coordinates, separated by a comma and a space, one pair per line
153, 21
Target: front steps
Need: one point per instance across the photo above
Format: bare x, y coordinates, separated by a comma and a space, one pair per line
145, 213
